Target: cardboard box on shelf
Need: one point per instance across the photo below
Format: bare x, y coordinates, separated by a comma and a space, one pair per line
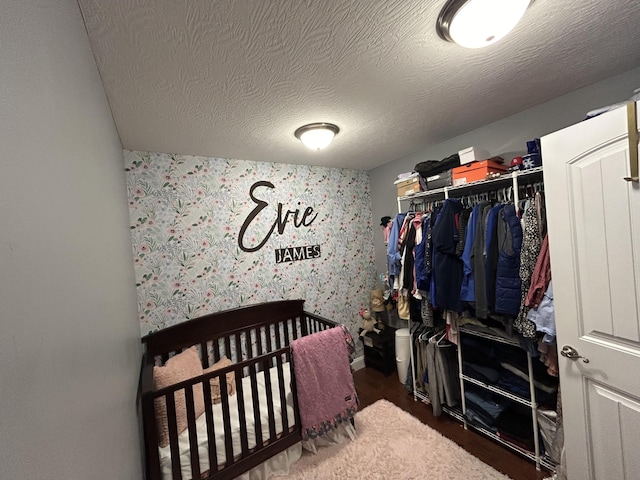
473, 172
409, 186
472, 154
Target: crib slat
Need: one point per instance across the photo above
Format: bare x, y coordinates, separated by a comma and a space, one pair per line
242, 416
286, 332
216, 350
278, 336
259, 331
227, 348
295, 328
204, 354
283, 397
294, 394
256, 406
247, 343
226, 419
304, 325
193, 437
266, 364
211, 431
269, 340
173, 436
238, 342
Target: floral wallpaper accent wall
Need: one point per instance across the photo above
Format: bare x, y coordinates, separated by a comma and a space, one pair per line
186, 214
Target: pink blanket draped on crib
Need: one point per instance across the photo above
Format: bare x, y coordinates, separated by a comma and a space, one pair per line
326, 392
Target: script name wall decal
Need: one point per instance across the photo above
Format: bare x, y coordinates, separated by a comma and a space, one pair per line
300, 218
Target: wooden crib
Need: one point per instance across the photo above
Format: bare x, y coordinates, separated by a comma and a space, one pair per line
241, 430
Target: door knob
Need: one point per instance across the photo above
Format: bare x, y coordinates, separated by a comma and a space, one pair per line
570, 352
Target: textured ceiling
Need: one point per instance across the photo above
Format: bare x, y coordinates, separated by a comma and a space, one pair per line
235, 78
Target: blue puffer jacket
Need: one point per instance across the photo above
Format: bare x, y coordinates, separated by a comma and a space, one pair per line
508, 275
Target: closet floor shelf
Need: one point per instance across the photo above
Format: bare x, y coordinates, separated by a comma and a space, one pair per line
499, 391
422, 396
545, 461
454, 412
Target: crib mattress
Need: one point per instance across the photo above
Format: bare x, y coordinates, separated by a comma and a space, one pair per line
263, 421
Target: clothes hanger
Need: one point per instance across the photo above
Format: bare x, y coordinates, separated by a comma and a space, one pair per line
424, 336
443, 338
437, 333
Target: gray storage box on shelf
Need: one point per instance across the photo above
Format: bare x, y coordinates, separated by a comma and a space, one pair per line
439, 180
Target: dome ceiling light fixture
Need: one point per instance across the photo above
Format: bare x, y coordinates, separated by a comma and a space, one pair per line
317, 136
479, 23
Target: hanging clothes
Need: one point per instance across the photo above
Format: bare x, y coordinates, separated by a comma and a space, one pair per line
393, 254
467, 290
405, 235
442, 374
528, 258
422, 278
491, 255
463, 225
407, 271
447, 266
541, 276
478, 262
508, 283
544, 314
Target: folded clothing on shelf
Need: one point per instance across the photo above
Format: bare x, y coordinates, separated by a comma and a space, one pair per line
485, 405
483, 373
429, 168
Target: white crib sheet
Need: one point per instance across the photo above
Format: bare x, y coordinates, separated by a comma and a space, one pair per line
201, 425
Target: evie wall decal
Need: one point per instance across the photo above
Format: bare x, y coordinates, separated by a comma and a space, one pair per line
300, 218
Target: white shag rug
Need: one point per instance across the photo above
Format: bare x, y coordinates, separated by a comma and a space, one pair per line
392, 444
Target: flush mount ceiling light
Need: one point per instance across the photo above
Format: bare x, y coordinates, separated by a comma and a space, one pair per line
317, 136
478, 23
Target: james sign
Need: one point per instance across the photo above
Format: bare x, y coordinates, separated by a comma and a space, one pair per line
297, 253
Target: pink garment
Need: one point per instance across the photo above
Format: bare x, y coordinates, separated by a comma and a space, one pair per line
324, 383
541, 276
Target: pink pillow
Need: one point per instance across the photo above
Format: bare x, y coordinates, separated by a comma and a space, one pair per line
215, 382
178, 368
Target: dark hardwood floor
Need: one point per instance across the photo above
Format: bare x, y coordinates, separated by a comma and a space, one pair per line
372, 386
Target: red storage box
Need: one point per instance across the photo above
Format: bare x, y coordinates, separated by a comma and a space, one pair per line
472, 172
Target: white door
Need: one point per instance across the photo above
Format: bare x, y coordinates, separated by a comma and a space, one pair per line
594, 238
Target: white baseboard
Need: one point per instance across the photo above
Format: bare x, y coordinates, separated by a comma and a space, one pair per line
358, 363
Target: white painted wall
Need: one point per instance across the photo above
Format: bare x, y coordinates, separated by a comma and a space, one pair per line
505, 138
69, 335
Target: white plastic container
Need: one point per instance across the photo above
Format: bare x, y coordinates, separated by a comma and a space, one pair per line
403, 354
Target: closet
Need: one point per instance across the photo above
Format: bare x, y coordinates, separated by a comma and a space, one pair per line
495, 372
